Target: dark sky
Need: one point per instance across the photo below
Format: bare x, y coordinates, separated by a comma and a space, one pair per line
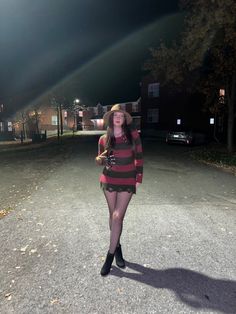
93, 48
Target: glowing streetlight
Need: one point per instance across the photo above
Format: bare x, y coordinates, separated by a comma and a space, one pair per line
76, 107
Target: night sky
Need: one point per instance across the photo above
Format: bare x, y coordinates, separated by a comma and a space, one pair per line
93, 48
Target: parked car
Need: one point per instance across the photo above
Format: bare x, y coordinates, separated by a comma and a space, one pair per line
187, 137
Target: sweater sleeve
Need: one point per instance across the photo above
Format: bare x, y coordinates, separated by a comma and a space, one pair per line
138, 156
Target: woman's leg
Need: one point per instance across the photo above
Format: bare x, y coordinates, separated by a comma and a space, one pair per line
111, 202
122, 202
117, 204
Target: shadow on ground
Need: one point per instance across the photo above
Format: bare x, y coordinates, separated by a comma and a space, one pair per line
192, 288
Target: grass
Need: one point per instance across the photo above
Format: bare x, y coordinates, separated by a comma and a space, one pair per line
216, 155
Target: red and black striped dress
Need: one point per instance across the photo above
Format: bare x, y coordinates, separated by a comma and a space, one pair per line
128, 168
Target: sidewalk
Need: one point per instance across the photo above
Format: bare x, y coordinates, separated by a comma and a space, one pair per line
17, 145
14, 145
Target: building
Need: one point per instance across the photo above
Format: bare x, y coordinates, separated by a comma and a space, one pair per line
7, 131
50, 119
44, 118
92, 117
163, 109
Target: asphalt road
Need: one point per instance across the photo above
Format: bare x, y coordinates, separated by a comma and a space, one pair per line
178, 238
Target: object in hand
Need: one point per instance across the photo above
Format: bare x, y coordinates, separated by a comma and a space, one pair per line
110, 160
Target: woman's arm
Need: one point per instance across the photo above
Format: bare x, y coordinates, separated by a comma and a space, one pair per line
102, 153
138, 150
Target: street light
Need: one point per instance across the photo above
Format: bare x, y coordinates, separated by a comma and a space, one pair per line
76, 102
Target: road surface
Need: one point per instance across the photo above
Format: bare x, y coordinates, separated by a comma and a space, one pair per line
178, 238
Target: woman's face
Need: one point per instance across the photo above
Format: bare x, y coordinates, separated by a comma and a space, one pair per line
118, 118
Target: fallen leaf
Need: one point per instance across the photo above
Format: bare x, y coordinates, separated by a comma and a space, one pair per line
4, 212
54, 301
8, 296
23, 249
119, 290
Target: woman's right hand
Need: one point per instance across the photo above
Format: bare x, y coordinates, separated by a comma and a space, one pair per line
100, 160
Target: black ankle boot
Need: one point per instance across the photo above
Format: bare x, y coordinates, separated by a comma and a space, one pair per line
120, 262
107, 265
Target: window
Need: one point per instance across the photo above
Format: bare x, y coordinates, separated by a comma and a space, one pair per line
153, 116
153, 90
1, 127
222, 92
222, 96
212, 121
135, 107
123, 107
65, 117
9, 126
54, 120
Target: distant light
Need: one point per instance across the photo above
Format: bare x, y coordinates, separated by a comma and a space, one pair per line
212, 121
178, 121
100, 122
77, 100
222, 92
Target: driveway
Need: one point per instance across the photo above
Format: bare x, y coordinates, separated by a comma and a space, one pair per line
178, 239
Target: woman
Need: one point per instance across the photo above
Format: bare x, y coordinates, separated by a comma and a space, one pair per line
120, 151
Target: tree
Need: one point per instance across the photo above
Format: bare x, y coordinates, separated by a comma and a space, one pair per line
205, 57
29, 118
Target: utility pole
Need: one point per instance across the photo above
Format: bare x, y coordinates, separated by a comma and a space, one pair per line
61, 119
58, 123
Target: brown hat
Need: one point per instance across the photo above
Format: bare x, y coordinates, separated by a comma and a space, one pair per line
116, 108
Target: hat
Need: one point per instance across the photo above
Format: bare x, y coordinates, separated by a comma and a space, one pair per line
117, 108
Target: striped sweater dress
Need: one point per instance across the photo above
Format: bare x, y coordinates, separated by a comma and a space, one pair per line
128, 168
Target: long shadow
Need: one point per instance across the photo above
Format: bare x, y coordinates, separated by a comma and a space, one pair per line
195, 289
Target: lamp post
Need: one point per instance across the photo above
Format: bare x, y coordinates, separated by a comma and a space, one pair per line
76, 103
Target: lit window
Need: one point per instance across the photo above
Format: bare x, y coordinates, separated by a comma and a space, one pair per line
212, 120
54, 120
222, 92
1, 127
153, 90
9, 126
178, 121
153, 116
222, 96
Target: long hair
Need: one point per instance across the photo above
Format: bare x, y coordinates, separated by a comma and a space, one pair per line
110, 138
